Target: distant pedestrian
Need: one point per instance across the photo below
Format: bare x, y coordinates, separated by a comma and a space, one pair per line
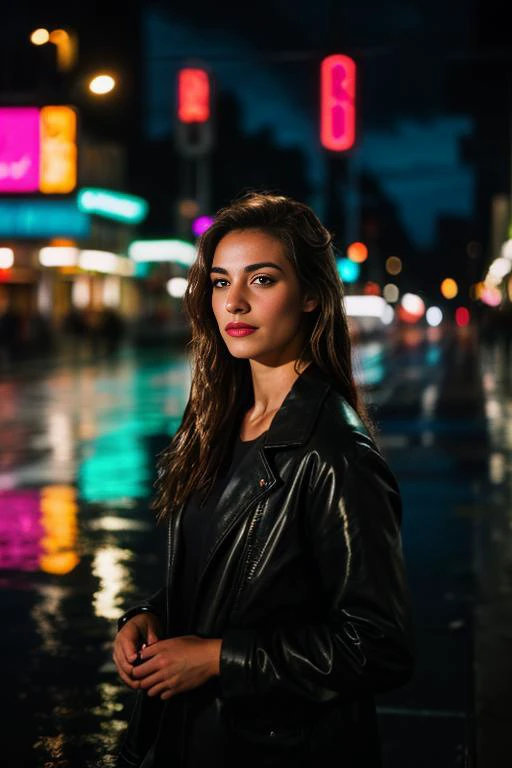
112, 330
11, 339
285, 607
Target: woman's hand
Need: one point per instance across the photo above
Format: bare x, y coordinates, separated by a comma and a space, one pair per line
142, 628
177, 664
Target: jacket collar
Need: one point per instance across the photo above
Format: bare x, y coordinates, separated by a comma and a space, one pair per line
295, 419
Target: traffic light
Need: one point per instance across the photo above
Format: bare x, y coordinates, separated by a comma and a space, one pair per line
193, 95
194, 111
338, 107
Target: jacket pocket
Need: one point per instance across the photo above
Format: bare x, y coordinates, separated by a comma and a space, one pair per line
270, 744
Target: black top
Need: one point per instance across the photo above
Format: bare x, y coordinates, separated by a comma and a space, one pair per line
196, 533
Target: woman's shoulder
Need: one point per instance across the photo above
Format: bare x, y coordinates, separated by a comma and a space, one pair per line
339, 423
340, 443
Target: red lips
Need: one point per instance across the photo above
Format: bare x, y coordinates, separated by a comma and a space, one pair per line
240, 326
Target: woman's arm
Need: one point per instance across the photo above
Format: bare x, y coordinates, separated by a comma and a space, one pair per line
365, 641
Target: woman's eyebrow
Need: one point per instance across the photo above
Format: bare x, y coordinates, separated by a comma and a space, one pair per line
249, 267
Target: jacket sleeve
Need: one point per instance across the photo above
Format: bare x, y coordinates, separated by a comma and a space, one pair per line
364, 642
154, 604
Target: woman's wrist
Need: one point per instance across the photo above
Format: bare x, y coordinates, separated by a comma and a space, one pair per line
135, 612
214, 649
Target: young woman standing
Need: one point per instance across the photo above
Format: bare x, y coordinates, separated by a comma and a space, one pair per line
285, 607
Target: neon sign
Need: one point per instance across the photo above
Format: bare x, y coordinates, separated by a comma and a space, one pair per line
338, 110
112, 205
38, 151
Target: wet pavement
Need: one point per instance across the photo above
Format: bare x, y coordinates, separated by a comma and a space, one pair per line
78, 543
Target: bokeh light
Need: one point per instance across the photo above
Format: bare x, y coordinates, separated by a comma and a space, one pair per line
500, 267
412, 308
102, 84
39, 36
201, 224
6, 258
393, 265
357, 252
391, 293
371, 288
491, 296
176, 287
348, 270
449, 288
434, 316
462, 317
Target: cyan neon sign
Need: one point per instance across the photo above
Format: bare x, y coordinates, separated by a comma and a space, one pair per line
112, 205
42, 218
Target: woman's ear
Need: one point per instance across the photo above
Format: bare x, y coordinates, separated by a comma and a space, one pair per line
309, 303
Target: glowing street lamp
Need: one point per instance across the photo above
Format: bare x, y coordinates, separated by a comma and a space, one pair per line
39, 36
102, 84
64, 41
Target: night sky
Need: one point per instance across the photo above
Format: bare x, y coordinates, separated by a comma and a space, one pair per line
412, 68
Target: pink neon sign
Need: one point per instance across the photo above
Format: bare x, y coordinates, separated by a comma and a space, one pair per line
19, 149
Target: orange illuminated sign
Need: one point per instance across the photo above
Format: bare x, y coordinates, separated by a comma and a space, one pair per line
193, 95
58, 170
338, 110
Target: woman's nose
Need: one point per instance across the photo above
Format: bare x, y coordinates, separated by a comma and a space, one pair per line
235, 300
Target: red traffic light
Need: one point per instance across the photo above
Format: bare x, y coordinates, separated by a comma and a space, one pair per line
338, 110
193, 95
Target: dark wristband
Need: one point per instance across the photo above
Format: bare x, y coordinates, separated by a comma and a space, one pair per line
135, 612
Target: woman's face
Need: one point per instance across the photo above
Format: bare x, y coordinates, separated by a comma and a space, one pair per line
254, 283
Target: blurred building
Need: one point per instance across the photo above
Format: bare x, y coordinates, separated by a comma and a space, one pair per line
66, 212
65, 222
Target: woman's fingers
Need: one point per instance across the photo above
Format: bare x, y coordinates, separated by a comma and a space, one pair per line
125, 672
123, 655
152, 630
129, 645
166, 687
152, 679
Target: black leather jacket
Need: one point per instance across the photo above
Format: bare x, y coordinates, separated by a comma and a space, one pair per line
305, 585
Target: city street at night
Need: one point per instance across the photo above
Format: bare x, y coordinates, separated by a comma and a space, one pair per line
78, 542
196, 202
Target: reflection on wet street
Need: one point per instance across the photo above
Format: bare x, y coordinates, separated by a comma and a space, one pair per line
78, 542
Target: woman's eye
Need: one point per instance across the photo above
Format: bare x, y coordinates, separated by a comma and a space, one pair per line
258, 277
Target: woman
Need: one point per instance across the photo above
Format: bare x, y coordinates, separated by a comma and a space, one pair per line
285, 607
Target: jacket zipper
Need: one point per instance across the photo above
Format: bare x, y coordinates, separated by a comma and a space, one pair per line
247, 570
206, 566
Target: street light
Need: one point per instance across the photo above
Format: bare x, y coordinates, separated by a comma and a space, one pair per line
101, 84
39, 36
65, 42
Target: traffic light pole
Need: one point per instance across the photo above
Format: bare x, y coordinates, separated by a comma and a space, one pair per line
194, 141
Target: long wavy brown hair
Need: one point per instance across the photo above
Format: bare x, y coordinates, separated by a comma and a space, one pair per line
221, 387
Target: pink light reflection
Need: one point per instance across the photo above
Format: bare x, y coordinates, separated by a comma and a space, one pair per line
21, 530
201, 224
